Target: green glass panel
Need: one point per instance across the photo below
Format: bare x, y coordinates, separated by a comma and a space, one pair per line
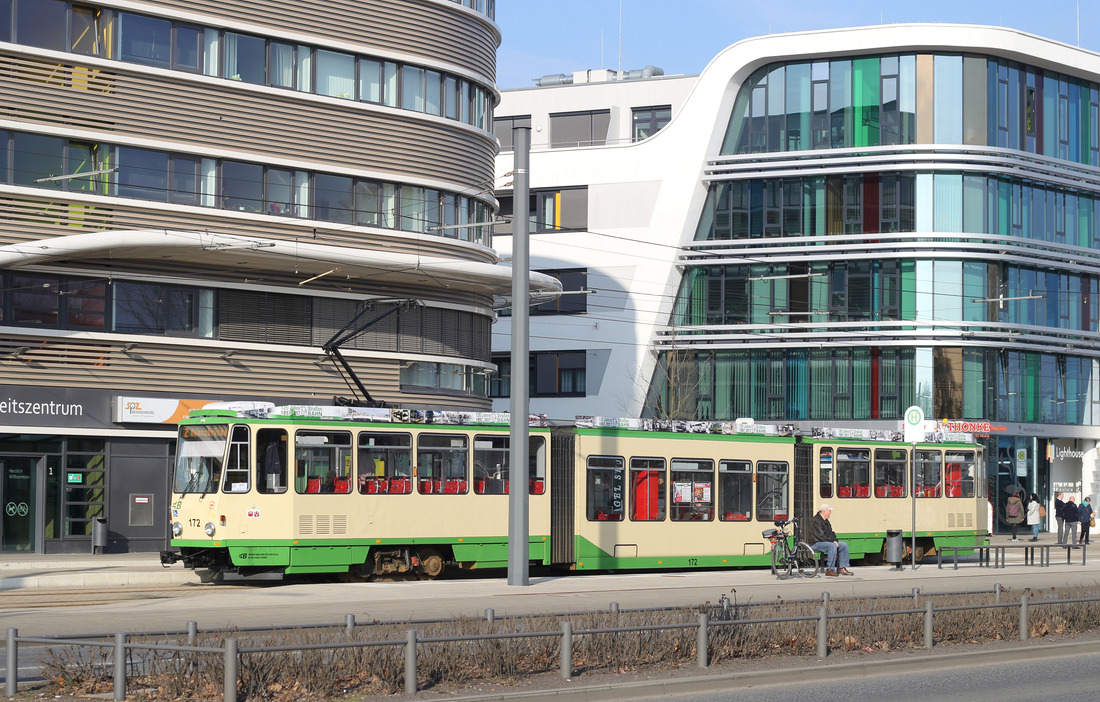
865, 101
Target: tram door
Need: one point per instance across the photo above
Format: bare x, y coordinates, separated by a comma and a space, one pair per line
19, 486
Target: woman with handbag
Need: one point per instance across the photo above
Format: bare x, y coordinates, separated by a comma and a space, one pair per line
1086, 516
1034, 515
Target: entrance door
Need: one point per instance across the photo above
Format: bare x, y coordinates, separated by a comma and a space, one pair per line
18, 497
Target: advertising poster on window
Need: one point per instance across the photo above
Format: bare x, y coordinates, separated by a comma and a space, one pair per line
702, 493
681, 493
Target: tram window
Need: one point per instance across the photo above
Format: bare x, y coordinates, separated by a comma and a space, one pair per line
492, 470
237, 469
735, 491
890, 469
853, 472
959, 476
692, 490
385, 463
199, 458
772, 490
928, 466
271, 467
605, 499
441, 463
647, 489
825, 463
322, 461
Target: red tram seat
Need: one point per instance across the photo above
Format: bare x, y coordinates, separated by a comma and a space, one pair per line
479, 486
313, 485
400, 486
341, 485
880, 491
844, 492
863, 490
538, 486
424, 486
370, 486
897, 491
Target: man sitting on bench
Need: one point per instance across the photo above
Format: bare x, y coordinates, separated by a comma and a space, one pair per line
823, 539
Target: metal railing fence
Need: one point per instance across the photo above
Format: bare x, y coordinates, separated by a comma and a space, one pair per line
231, 652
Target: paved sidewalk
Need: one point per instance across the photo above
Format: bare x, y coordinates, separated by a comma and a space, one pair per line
54, 571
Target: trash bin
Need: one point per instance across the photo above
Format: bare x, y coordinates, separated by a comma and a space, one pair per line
895, 546
99, 535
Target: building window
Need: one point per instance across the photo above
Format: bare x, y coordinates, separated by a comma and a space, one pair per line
647, 121
574, 129
550, 374
572, 280
502, 129
558, 374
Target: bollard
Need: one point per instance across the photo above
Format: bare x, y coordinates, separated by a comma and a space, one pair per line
997, 592
410, 662
229, 681
825, 598
916, 595
566, 650
928, 624
822, 633
120, 667
11, 675
1023, 617
349, 623
701, 641
490, 615
192, 632
615, 608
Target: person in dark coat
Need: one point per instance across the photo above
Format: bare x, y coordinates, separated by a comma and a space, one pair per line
823, 539
1069, 514
1059, 514
1084, 516
1014, 513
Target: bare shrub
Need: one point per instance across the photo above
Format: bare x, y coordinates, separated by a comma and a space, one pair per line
735, 631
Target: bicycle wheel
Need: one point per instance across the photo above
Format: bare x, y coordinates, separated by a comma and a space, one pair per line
782, 561
806, 559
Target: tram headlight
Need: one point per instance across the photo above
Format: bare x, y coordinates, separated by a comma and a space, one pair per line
209, 528
177, 528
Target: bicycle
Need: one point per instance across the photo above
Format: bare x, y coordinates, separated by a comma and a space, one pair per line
784, 558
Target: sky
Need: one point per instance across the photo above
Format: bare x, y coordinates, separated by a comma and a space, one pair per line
682, 36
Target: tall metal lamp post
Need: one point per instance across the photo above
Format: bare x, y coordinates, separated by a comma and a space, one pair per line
520, 404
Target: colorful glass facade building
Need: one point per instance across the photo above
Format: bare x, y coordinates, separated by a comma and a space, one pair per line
837, 225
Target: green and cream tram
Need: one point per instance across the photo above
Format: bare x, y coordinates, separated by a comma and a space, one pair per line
279, 491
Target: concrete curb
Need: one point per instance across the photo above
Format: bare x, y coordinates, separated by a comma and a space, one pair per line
121, 577
812, 671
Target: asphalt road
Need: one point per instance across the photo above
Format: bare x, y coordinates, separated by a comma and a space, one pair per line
1066, 677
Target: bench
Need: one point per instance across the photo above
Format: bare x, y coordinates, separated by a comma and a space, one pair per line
999, 553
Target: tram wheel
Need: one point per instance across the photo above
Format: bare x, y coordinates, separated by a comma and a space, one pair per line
431, 562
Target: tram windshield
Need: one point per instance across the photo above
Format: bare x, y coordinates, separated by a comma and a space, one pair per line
199, 456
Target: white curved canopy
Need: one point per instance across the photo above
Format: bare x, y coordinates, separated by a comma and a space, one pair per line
305, 260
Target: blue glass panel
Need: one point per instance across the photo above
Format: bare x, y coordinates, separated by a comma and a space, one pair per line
947, 110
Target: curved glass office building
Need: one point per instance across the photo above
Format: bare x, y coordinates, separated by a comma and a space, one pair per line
866, 219
196, 197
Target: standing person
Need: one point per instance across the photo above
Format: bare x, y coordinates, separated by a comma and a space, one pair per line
823, 539
1059, 514
1033, 517
1084, 516
1014, 513
1069, 514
